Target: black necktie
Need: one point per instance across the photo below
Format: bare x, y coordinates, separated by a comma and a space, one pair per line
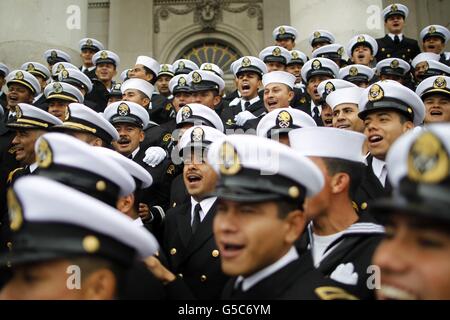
237, 289
388, 186
316, 114
396, 39
196, 221
246, 104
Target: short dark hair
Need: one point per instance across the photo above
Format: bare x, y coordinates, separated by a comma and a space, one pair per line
148, 71
285, 207
353, 169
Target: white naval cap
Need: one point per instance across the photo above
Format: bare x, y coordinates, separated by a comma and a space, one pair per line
298, 57
279, 77
76, 78
138, 84
320, 36
283, 120
213, 68
329, 51
275, 54
116, 91
425, 57
254, 169
31, 117
60, 66
106, 56
198, 114
435, 31
437, 84
166, 70
328, 86
90, 43
68, 223
201, 80
233, 66
127, 112
328, 143
124, 75
63, 91
184, 66
395, 9
421, 155
24, 78
319, 66
4, 70
436, 68
390, 94
81, 118
249, 64
418, 170
53, 56
36, 69
198, 137
149, 63
179, 84
73, 162
362, 39
285, 32
346, 95
393, 66
142, 177
356, 73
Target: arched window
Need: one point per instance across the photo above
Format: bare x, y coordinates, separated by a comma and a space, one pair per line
213, 52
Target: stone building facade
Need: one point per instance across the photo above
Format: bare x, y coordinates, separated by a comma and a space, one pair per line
213, 30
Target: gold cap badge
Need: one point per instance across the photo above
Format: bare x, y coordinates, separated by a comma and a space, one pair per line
376, 93
428, 161
246, 62
284, 120
14, 210
197, 135
196, 77
440, 83
229, 158
44, 155
186, 113
316, 64
123, 110
353, 71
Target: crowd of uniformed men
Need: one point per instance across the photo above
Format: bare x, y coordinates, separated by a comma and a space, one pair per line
317, 178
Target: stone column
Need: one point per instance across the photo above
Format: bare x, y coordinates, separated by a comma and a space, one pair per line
344, 18
276, 13
130, 30
30, 27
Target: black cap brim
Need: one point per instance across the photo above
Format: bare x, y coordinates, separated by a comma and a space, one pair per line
279, 59
251, 186
93, 48
184, 89
286, 36
252, 69
397, 203
399, 72
394, 13
358, 78
196, 121
320, 72
320, 40
204, 86
130, 120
